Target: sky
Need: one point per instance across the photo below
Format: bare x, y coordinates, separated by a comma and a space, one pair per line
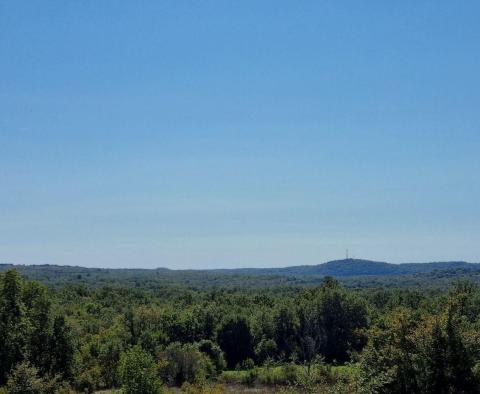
206, 134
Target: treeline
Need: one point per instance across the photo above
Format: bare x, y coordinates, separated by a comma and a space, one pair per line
82, 339
351, 273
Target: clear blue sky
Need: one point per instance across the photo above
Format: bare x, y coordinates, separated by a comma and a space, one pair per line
210, 134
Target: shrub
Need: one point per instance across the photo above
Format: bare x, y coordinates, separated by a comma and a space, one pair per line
89, 379
246, 364
265, 350
137, 371
290, 372
184, 363
24, 380
213, 351
251, 376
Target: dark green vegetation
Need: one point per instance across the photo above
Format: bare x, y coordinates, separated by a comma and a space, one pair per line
147, 331
351, 273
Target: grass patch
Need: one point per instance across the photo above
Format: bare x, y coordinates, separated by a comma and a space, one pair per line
289, 374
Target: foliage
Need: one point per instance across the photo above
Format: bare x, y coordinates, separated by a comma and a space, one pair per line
235, 339
24, 379
426, 354
184, 363
138, 374
353, 273
327, 338
213, 351
31, 331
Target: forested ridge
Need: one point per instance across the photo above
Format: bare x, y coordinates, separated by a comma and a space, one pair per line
140, 336
352, 273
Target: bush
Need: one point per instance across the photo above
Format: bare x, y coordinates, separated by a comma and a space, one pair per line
234, 377
56, 385
290, 372
251, 377
213, 351
246, 364
278, 375
265, 350
24, 380
137, 371
184, 363
89, 379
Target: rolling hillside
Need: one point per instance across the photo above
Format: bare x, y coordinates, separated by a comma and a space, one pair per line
352, 272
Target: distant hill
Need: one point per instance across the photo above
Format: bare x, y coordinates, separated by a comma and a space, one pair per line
354, 267
354, 272
359, 267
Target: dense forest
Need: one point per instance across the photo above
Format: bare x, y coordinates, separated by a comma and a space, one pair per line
275, 334
352, 273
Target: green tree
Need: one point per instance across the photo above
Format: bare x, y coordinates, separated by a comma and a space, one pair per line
24, 379
38, 307
138, 374
286, 330
13, 325
459, 362
109, 354
408, 353
265, 350
184, 363
387, 364
213, 351
236, 341
62, 349
331, 323
339, 316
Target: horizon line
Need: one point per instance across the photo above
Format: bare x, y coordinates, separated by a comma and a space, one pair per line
232, 268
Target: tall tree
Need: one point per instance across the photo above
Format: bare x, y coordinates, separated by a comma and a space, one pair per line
13, 326
62, 349
236, 341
